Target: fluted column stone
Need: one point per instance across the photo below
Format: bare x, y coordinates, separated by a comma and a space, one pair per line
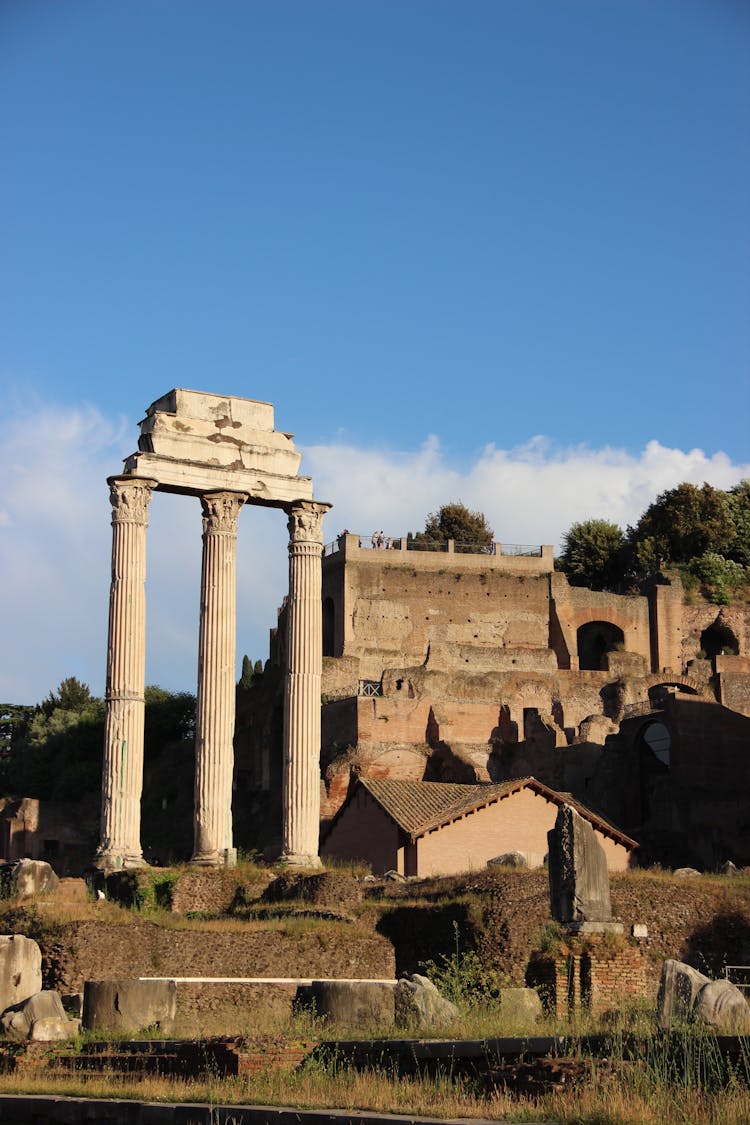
214, 727
122, 775
301, 775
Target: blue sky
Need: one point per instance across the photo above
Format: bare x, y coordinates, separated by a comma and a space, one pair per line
496, 251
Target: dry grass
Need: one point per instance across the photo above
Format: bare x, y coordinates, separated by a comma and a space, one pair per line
637, 1099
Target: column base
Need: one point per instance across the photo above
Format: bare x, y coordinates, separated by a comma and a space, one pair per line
300, 859
109, 861
225, 858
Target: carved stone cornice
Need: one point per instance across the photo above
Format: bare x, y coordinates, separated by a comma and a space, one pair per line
220, 512
130, 498
305, 524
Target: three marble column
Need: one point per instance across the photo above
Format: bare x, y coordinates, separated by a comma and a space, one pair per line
120, 844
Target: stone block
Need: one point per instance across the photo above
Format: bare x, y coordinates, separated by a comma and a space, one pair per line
54, 1030
578, 876
129, 1005
510, 859
41, 1018
678, 988
519, 1005
419, 1004
722, 1005
29, 878
20, 970
352, 1005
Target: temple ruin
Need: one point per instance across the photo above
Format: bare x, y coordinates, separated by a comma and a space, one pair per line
225, 451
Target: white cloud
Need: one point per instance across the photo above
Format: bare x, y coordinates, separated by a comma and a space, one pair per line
55, 531
530, 493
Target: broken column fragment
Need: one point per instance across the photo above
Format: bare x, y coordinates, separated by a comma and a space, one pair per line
578, 877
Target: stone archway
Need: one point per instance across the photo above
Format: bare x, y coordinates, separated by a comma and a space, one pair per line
717, 638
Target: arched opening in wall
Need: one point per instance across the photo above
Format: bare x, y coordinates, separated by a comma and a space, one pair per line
329, 627
594, 639
658, 741
718, 639
657, 693
654, 746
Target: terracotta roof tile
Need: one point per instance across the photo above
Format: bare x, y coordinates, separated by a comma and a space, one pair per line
418, 806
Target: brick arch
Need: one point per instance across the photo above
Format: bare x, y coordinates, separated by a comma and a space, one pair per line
594, 638
584, 615
587, 615
690, 685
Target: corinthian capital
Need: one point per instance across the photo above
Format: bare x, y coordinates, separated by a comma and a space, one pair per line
306, 522
220, 512
130, 498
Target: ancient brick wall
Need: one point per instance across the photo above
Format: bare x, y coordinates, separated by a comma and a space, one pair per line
732, 620
81, 951
231, 1008
398, 608
206, 892
594, 975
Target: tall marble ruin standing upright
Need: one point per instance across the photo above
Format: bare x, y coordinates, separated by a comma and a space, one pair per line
226, 452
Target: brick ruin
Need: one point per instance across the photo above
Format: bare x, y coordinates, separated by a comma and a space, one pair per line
467, 667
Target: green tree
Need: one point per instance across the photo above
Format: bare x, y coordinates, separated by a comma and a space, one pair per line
72, 695
593, 554
169, 718
682, 524
58, 755
60, 758
455, 521
738, 499
718, 576
251, 673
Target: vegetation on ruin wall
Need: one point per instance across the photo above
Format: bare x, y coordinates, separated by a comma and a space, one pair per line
482, 926
453, 521
704, 532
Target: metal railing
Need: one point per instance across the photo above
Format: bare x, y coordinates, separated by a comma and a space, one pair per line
739, 976
370, 688
520, 550
387, 543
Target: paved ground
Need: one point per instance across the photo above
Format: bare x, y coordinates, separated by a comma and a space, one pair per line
29, 1110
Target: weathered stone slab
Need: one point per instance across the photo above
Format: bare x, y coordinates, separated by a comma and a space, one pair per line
419, 1004
20, 970
129, 1005
722, 1005
352, 1005
578, 876
678, 988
